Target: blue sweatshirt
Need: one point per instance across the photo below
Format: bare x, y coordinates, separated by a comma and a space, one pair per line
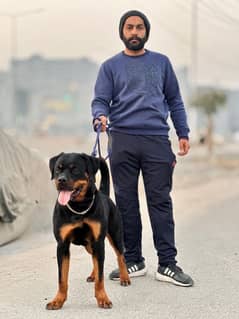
137, 93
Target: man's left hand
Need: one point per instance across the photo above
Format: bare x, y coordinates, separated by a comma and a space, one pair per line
184, 146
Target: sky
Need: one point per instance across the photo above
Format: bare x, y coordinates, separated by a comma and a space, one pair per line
80, 28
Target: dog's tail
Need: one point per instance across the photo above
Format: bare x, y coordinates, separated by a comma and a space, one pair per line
105, 177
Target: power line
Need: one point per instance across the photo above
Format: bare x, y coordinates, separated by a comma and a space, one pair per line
209, 16
219, 14
204, 54
166, 27
208, 13
225, 12
231, 3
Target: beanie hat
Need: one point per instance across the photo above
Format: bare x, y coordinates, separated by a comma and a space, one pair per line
130, 14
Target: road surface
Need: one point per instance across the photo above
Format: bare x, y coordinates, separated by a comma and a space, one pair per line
206, 202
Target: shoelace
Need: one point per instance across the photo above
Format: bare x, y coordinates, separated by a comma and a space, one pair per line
175, 268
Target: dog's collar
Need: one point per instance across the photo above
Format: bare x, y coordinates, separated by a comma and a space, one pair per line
84, 211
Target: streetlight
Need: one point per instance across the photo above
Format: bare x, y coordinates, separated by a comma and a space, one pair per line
14, 46
14, 19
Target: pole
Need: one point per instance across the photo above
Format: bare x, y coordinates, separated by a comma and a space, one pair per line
13, 69
194, 63
194, 45
14, 55
13, 36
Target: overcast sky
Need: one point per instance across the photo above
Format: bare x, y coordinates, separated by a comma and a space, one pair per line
77, 28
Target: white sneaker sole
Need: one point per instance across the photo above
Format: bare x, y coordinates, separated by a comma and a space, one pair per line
138, 273
160, 277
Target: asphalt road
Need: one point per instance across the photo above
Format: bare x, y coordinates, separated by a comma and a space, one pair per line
207, 236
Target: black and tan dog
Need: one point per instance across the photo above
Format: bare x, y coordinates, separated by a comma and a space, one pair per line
84, 216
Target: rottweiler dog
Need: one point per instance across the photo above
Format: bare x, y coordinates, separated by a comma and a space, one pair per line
84, 215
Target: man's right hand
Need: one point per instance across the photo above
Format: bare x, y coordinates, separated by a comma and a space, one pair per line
103, 120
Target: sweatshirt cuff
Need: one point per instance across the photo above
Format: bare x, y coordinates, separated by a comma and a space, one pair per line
185, 137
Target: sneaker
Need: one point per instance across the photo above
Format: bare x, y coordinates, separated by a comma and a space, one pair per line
175, 275
134, 270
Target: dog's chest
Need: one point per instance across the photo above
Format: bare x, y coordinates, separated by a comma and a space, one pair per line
79, 232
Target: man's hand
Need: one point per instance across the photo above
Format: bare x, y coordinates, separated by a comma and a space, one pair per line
103, 121
184, 146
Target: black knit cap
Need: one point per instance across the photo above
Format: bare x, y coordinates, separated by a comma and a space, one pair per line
137, 14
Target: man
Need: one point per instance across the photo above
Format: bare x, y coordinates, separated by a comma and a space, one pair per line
137, 89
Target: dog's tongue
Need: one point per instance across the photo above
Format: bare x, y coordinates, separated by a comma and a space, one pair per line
64, 197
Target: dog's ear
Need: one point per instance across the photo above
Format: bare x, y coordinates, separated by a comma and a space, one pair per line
92, 164
52, 163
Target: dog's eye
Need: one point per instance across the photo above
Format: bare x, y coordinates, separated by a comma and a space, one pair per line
75, 170
59, 169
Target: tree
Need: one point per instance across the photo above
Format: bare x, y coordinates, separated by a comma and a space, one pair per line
209, 101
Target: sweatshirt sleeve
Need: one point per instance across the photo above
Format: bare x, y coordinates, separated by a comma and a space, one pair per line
175, 102
103, 92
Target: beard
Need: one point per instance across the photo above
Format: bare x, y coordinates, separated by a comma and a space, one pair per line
134, 46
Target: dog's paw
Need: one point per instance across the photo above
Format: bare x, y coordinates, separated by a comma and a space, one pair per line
125, 282
90, 279
105, 303
103, 300
54, 305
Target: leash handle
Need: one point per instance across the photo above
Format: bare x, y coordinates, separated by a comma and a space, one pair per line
97, 129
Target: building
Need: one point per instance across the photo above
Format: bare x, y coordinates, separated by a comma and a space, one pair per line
46, 95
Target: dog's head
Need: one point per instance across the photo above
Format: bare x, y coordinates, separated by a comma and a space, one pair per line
74, 174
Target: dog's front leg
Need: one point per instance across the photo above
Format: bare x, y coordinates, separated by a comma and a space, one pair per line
63, 260
98, 249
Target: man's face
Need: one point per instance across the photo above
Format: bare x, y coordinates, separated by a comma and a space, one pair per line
134, 33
